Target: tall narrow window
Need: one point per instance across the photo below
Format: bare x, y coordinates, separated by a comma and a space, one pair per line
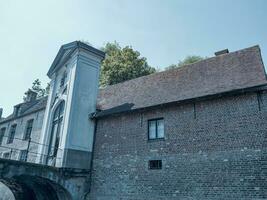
23, 155
11, 135
28, 129
152, 126
2, 135
17, 110
55, 133
63, 79
155, 129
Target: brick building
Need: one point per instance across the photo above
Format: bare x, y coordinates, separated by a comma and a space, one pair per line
195, 132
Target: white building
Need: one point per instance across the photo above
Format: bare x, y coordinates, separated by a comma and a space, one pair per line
57, 130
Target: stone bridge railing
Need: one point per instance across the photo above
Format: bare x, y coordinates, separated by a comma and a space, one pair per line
25, 179
24, 149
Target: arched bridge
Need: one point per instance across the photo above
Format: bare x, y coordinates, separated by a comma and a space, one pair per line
34, 181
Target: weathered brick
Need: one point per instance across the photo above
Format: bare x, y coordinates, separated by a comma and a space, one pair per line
217, 152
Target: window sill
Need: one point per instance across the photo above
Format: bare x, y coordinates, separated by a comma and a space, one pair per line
155, 140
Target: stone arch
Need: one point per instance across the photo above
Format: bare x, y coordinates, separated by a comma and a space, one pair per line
26, 187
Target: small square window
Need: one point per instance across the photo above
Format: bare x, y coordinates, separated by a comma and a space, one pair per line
155, 164
155, 129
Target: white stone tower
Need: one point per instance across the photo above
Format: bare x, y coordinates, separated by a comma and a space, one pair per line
67, 132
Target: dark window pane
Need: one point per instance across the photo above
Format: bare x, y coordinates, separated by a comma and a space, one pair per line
2, 134
63, 79
55, 133
7, 155
12, 134
23, 155
28, 130
155, 164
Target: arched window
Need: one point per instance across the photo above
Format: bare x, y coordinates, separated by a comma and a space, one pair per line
55, 133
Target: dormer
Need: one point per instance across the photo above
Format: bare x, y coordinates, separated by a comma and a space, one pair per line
31, 95
16, 111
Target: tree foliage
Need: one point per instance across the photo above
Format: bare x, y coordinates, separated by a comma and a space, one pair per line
122, 64
37, 87
188, 60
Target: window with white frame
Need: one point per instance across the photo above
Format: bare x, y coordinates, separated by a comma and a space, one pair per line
155, 129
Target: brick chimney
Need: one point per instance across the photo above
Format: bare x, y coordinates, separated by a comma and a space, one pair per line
31, 95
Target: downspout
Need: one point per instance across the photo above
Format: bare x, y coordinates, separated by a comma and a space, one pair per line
92, 156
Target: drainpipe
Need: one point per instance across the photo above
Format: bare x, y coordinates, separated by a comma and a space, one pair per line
92, 157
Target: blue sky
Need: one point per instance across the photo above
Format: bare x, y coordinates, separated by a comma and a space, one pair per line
164, 31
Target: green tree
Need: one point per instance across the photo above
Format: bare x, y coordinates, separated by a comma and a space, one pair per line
37, 87
188, 60
122, 64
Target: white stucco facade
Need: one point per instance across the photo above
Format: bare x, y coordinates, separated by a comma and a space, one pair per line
79, 93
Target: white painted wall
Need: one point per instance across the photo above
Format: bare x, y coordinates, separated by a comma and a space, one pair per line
20, 144
83, 102
80, 100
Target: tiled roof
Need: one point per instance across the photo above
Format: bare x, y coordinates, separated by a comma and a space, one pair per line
227, 72
40, 104
27, 108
